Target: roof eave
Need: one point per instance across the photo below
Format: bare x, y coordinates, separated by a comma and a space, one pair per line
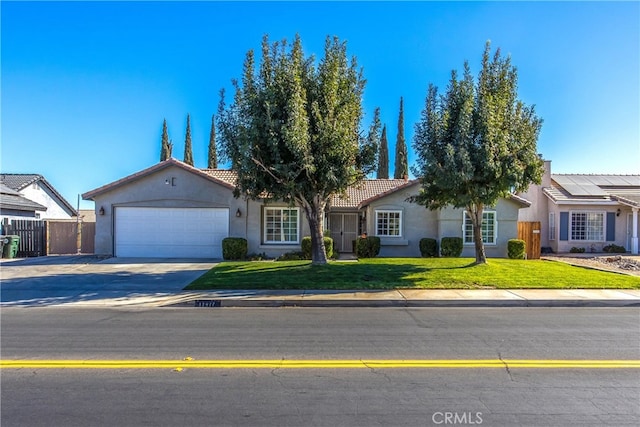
625, 201
90, 195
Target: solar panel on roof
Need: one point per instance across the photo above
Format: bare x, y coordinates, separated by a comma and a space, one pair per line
579, 185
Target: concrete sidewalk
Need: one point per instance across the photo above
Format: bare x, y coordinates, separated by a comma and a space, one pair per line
387, 298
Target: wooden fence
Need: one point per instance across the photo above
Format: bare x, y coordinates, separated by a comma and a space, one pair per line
33, 237
51, 237
530, 233
70, 237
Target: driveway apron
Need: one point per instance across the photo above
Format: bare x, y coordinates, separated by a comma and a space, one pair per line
82, 279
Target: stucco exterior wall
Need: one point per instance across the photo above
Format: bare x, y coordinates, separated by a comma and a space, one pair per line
184, 190
539, 209
622, 227
42, 195
417, 222
451, 222
255, 231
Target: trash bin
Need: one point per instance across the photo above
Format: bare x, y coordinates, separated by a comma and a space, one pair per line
10, 248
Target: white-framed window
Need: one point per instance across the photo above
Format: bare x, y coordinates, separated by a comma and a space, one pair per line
552, 226
281, 225
388, 223
489, 228
587, 226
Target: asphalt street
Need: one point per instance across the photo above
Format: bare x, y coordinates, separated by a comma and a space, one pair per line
317, 395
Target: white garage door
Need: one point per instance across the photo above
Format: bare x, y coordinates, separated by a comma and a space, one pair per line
170, 232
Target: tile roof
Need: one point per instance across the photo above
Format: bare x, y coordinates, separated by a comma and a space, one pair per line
11, 199
355, 197
225, 175
360, 195
19, 181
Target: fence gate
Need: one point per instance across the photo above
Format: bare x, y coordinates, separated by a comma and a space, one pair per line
70, 237
530, 233
33, 237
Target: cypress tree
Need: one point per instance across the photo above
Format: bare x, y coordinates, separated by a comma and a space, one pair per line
401, 168
383, 156
212, 160
188, 154
165, 151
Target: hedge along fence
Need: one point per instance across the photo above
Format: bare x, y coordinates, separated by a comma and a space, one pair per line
451, 247
367, 247
516, 249
429, 248
234, 248
305, 246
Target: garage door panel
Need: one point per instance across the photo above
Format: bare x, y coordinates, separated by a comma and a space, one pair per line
170, 232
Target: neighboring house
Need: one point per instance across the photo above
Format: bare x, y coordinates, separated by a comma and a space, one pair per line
172, 209
585, 211
37, 189
14, 205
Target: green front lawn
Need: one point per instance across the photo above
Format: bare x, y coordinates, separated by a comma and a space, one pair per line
419, 273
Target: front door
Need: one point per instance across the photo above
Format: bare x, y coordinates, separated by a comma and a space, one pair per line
344, 230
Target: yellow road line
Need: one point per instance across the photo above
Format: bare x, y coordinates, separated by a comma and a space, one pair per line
319, 364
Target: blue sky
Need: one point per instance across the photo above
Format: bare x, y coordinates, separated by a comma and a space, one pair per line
86, 85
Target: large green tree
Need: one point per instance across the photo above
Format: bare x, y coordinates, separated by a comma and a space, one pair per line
212, 157
188, 152
383, 156
165, 149
292, 132
477, 142
401, 168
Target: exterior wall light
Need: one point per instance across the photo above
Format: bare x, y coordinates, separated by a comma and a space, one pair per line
101, 210
238, 213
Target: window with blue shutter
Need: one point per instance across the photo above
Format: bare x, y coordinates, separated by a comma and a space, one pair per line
611, 226
564, 225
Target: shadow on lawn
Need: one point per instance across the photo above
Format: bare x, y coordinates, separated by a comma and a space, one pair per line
337, 276
472, 264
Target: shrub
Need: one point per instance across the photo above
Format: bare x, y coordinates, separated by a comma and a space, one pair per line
575, 250
257, 256
368, 247
306, 247
451, 247
614, 249
291, 256
429, 248
516, 249
234, 248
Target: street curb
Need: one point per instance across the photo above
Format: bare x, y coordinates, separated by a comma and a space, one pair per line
295, 303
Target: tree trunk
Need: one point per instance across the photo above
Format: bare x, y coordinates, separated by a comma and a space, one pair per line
475, 212
314, 213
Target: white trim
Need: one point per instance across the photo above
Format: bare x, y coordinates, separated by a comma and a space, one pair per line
552, 226
264, 226
388, 211
495, 228
634, 236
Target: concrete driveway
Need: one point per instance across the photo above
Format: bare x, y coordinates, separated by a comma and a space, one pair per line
92, 280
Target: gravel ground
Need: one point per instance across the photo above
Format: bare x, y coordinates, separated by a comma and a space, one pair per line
616, 263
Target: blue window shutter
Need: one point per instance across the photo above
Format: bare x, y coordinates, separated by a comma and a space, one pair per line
564, 225
611, 226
